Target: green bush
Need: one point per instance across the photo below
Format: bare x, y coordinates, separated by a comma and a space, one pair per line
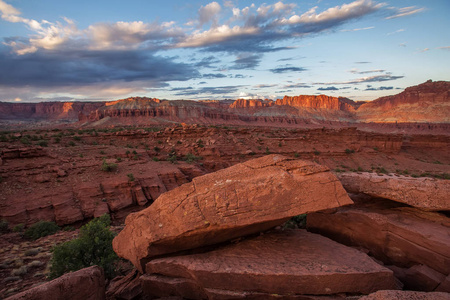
190, 158
42, 143
349, 151
130, 177
40, 229
108, 167
4, 226
18, 228
92, 247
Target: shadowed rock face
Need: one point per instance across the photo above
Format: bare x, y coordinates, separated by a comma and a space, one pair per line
246, 198
405, 295
401, 236
85, 284
284, 263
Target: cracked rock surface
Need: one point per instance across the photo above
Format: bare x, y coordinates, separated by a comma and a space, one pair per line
246, 198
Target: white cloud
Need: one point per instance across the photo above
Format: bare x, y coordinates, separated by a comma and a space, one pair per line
357, 29
345, 11
216, 35
209, 13
394, 32
405, 11
444, 48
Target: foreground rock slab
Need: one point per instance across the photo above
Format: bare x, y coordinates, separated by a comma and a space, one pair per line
406, 295
424, 193
291, 262
85, 284
247, 198
401, 236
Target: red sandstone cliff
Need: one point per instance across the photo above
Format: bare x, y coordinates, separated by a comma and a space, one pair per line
426, 102
251, 103
319, 102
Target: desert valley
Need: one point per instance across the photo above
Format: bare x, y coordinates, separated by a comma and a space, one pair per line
304, 197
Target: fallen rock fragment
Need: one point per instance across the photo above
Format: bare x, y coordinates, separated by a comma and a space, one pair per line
285, 263
424, 193
247, 198
85, 284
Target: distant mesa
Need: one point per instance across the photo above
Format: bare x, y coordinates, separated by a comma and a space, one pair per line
428, 102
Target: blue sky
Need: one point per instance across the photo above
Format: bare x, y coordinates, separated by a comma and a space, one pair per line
106, 50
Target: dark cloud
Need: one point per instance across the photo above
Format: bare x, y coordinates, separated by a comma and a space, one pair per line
287, 69
72, 68
381, 88
213, 75
330, 88
246, 61
220, 90
296, 86
207, 62
181, 89
363, 62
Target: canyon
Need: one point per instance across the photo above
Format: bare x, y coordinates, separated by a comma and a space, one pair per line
206, 196
424, 107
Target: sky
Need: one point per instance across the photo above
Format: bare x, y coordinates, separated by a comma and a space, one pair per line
227, 49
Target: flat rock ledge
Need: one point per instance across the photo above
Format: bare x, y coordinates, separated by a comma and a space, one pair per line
281, 263
244, 199
424, 193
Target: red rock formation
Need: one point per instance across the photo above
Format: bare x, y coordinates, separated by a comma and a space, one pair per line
424, 193
85, 284
318, 102
405, 295
426, 102
246, 198
401, 236
252, 103
284, 263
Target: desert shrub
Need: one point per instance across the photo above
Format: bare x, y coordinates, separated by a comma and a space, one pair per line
155, 159
316, 152
130, 177
69, 228
108, 167
296, 222
92, 247
71, 143
190, 158
4, 226
18, 228
25, 141
40, 229
157, 149
349, 151
42, 143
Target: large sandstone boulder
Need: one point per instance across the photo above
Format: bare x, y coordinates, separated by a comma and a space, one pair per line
401, 236
246, 198
425, 193
292, 262
85, 284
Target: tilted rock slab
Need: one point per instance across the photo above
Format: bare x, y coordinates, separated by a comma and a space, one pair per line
424, 193
85, 284
401, 236
293, 262
243, 199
